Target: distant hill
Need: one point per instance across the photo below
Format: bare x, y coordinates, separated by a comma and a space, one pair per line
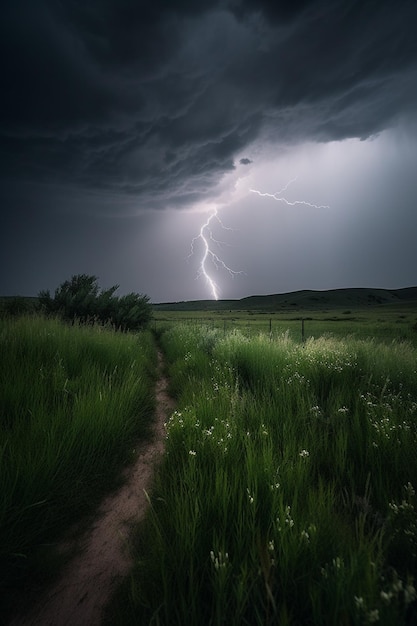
300, 300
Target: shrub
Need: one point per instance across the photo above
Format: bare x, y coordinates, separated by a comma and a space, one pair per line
81, 298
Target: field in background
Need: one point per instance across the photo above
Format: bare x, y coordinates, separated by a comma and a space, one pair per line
384, 322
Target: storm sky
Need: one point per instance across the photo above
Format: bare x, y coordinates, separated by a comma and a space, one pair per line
125, 124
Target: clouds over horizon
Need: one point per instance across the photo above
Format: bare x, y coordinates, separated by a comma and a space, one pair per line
114, 110
156, 102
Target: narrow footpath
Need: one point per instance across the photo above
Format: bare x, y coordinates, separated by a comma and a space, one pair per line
80, 596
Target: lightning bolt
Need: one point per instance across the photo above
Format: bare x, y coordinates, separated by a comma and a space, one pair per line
206, 237
280, 198
209, 256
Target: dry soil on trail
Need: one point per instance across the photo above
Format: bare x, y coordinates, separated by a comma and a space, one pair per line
81, 594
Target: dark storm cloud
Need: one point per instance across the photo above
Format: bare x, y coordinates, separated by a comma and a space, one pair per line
245, 161
156, 99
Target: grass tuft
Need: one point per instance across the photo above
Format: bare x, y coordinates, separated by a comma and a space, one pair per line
73, 403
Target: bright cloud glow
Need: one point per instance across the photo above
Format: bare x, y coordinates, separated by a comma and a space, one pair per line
299, 242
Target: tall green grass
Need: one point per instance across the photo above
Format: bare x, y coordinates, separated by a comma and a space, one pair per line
73, 402
287, 491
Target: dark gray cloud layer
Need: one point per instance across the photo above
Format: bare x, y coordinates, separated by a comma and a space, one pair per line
158, 99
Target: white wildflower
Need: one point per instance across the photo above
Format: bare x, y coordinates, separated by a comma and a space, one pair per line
250, 496
220, 561
359, 602
409, 594
409, 489
386, 597
373, 616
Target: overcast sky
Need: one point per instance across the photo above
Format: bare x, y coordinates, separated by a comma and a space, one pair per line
127, 125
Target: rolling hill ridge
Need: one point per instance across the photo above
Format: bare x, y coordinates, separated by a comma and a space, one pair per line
358, 297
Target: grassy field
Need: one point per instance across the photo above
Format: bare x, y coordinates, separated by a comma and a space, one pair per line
287, 491
383, 322
287, 494
73, 402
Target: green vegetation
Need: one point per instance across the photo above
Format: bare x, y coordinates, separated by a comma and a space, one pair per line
74, 400
360, 313
80, 298
287, 492
383, 322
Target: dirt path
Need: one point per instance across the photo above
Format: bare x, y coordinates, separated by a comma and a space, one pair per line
79, 597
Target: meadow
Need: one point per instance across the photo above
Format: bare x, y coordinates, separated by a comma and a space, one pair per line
74, 402
287, 491
384, 323
286, 494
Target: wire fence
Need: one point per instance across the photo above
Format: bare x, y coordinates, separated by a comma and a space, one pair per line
301, 329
